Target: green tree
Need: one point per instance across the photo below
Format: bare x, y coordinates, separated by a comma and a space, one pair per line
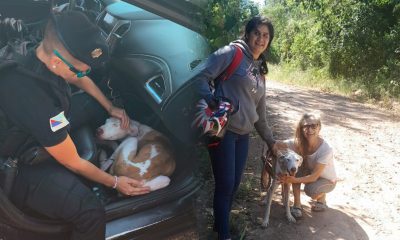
225, 19
355, 39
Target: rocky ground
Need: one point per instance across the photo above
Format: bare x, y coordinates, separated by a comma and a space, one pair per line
366, 201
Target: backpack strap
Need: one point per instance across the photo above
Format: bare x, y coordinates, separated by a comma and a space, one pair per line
237, 58
215, 86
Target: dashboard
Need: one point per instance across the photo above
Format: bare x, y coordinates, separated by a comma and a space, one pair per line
108, 23
115, 19
112, 27
153, 62
149, 52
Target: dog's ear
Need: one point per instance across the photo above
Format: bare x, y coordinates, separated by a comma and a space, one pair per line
280, 153
133, 131
300, 159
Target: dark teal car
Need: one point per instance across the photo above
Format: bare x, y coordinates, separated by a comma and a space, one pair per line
155, 54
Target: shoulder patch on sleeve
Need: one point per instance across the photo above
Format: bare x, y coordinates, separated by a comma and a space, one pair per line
59, 121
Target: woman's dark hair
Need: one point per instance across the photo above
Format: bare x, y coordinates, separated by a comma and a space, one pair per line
252, 24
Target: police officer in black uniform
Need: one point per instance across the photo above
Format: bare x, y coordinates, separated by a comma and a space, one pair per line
72, 45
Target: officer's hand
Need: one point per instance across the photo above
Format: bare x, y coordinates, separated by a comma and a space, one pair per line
131, 187
121, 115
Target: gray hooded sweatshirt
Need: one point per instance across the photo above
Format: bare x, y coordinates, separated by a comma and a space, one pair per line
245, 88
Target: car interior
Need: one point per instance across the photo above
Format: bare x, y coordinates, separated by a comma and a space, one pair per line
153, 60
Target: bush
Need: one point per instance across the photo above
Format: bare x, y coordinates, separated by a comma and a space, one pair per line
352, 39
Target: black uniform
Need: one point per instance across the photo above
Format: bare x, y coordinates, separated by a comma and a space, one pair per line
30, 104
41, 113
48, 188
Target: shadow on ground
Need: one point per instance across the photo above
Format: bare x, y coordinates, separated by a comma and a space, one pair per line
331, 224
283, 103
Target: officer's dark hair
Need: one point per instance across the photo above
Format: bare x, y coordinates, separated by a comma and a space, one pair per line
252, 24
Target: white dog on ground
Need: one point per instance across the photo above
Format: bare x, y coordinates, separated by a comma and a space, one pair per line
285, 163
144, 153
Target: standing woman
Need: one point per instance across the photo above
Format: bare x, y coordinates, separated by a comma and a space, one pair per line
246, 90
318, 169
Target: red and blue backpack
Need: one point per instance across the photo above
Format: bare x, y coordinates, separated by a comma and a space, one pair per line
212, 122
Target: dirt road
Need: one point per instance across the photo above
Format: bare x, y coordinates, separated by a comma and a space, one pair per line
366, 201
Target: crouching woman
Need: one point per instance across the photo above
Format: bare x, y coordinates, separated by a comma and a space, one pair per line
317, 171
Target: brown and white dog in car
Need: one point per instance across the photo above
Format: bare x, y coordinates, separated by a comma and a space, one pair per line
144, 153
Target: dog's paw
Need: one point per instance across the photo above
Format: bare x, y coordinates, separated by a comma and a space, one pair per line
158, 183
290, 218
265, 223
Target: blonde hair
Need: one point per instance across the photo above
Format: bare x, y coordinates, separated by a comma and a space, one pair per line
300, 141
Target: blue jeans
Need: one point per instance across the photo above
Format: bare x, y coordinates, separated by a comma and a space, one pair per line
228, 161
